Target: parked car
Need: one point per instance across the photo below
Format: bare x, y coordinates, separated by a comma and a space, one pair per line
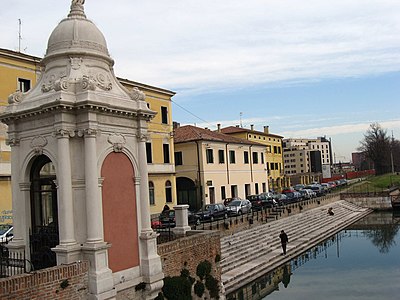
229, 200
318, 189
239, 207
268, 200
256, 201
288, 190
210, 212
293, 197
299, 187
167, 219
281, 199
6, 233
307, 193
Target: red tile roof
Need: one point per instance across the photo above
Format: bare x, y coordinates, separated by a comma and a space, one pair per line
189, 133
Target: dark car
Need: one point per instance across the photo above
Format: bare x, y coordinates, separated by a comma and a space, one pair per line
167, 219
281, 199
293, 197
211, 212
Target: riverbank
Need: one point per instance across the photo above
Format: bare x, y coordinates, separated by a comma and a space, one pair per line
249, 253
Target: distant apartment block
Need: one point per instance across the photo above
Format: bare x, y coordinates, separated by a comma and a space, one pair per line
307, 160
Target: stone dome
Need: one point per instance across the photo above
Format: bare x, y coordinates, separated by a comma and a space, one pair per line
77, 35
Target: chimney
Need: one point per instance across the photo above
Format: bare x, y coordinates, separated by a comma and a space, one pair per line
252, 127
219, 127
266, 129
176, 125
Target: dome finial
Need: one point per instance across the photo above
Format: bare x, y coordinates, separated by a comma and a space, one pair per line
77, 9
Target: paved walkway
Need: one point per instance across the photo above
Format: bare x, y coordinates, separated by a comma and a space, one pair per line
248, 254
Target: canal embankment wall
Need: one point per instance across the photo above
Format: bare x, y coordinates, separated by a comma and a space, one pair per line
375, 201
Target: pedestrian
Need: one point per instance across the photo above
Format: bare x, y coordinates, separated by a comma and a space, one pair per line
284, 240
330, 211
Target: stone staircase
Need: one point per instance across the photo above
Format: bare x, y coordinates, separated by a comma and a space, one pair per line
249, 253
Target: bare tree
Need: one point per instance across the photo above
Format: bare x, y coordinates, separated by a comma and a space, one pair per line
377, 146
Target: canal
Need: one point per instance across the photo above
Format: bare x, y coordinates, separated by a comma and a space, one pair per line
361, 262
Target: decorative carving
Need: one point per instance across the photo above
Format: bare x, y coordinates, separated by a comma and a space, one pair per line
15, 97
12, 142
103, 82
137, 94
88, 84
78, 2
62, 133
144, 137
118, 141
38, 143
90, 132
76, 62
55, 84
61, 84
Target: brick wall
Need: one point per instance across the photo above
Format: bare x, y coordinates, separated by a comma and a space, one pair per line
189, 251
69, 282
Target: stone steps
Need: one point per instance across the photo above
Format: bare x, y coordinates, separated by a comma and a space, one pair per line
249, 253
259, 243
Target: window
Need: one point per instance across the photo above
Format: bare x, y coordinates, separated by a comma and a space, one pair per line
151, 193
246, 157
24, 85
210, 156
178, 158
275, 149
232, 158
257, 191
262, 157
168, 191
255, 158
164, 115
264, 187
221, 156
223, 192
149, 153
276, 166
166, 153
234, 191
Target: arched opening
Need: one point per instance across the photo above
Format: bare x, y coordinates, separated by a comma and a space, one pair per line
120, 212
187, 193
44, 214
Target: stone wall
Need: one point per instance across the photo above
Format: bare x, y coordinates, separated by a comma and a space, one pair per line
189, 251
68, 282
376, 201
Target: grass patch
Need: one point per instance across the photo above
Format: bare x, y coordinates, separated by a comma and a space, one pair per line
377, 183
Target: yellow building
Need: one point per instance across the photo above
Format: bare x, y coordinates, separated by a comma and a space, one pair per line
212, 166
17, 72
20, 71
273, 153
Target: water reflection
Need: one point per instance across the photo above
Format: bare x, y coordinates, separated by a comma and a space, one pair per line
379, 230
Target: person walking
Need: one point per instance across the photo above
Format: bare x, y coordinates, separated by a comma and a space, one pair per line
284, 240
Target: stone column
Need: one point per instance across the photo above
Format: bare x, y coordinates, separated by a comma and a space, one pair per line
94, 210
68, 250
95, 250
64, 180
150, 261
18, 201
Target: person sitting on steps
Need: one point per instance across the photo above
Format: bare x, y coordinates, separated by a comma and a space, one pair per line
330, 211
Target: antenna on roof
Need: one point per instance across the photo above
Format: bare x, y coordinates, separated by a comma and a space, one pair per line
240, 119
19, 35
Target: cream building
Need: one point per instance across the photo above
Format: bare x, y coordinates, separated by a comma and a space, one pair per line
212, 166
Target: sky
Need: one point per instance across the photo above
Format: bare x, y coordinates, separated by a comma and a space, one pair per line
306, 68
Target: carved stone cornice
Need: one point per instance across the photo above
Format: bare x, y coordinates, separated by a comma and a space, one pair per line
118, 141
38, 143
143, 137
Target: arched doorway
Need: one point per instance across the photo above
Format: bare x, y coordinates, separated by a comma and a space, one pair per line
44, 215
187, 193
120, 212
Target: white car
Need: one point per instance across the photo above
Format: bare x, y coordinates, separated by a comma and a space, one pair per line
239, 206
6, 233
